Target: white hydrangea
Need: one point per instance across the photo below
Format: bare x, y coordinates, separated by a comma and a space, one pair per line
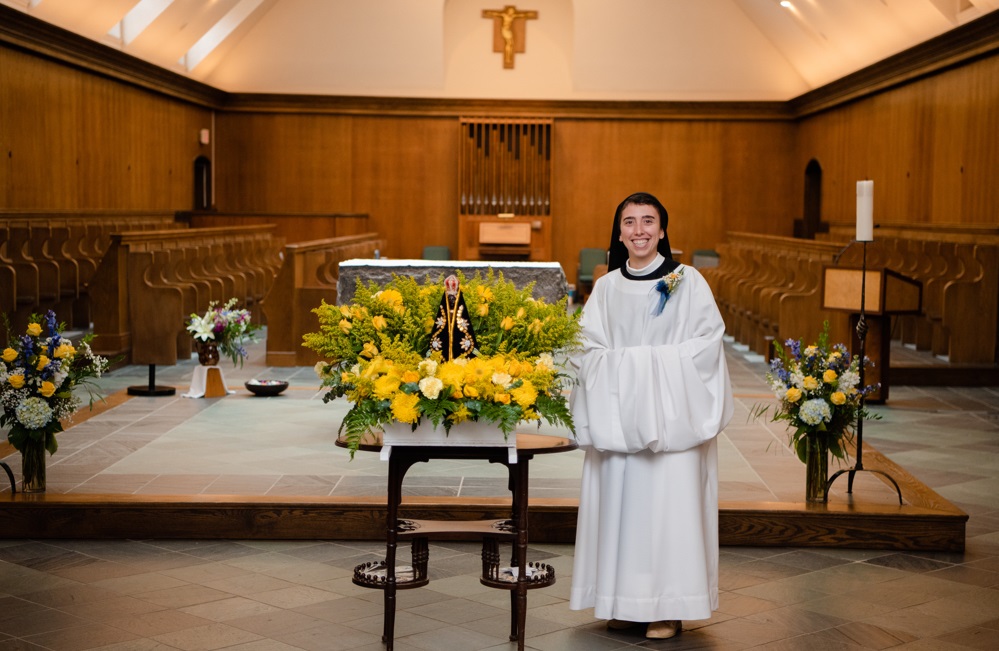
34, 413
815, 411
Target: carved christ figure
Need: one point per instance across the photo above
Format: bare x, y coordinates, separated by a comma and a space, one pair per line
510, 30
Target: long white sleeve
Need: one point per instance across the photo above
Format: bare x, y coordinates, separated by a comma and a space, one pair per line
651, 382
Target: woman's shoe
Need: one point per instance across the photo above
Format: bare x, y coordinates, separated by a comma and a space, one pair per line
620, 624
664, 630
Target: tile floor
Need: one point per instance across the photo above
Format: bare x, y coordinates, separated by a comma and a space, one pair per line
70, 595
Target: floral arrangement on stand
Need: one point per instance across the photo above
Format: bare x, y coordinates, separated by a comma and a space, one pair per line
38, 375
226, 329
385, 359
817, 386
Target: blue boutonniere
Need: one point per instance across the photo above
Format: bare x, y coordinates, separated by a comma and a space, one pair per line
665, 287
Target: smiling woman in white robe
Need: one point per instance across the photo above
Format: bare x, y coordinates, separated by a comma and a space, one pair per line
652, 396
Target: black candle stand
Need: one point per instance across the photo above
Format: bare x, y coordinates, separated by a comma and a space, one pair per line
859, 465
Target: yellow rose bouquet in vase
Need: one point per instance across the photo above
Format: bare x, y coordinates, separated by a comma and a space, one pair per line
38, 375
820, 399
447, 352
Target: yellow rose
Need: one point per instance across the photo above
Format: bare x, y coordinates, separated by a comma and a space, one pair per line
379, 322
837, 398
65, 351
535, 327
829, 376
410, 376
9, 354
369, 350
404, 408
43, 361
385, 386
793, 394
811, 351
483, 309
502, 398
47, 389
521, 312
345, 377
471, 392
345, 326
345, 311
506, 323
810, 383
16, 381
34, 329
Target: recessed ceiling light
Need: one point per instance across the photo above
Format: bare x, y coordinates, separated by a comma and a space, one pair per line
785, 3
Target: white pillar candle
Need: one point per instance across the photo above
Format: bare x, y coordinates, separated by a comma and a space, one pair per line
865, 211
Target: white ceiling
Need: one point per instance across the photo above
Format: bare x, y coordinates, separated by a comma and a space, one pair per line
575, 49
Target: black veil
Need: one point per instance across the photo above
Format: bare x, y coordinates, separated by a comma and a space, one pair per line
618, 252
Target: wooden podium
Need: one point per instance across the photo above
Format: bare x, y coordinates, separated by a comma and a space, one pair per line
888, 293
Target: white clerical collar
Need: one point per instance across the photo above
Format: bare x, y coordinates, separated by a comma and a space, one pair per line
649, 268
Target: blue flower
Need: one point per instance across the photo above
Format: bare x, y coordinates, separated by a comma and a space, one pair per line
666, 286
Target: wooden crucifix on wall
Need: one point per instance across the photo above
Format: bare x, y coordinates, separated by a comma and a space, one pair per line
509, 31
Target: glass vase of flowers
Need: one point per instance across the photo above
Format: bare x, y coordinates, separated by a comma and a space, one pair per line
222, 331
820, 400
38, 374
384, 356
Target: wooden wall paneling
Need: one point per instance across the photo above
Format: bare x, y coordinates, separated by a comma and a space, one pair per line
930, 146
39, 99
284, 163
977, 89
80, 141
406, 179
712, 176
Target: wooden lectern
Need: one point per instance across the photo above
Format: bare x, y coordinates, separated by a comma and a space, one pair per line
888, 293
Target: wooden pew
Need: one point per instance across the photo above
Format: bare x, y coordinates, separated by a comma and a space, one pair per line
769, 287
961, 303
308, 275
56, 253
149, 283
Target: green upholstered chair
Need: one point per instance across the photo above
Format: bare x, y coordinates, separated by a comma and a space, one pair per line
588, 261
436, 253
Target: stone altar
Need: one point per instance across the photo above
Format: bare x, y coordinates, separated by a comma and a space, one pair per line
549, 278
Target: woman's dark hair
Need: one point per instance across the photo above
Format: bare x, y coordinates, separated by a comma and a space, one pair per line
618, 252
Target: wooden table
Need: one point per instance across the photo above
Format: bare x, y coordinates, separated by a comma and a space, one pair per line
386, 575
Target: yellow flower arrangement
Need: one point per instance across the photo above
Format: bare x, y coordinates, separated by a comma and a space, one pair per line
380, 357
38, 374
